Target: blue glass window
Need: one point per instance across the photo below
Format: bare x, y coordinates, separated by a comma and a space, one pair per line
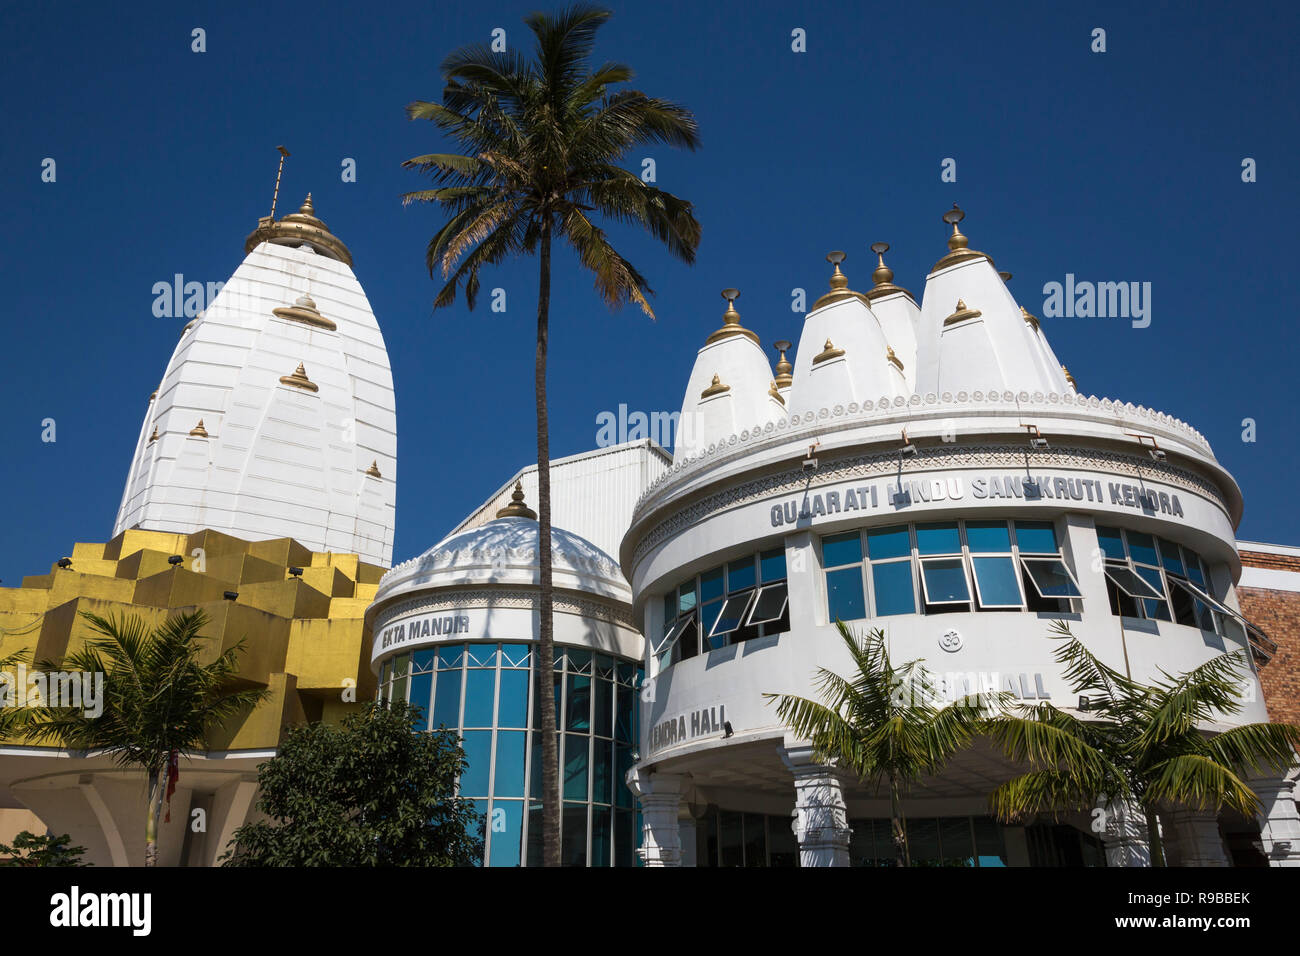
772, 565
604, 709
512, 705
477, 827
686, 597
892, 542
623, 765
893, 583
477, 745
446, 704
623, 726
841, 549
945, 581
1036, 537
509, 779
421, 691
941, 538
507, 832
988, 536
711, 585
579, 712
997, 582
450, 656
575, 767
480, 694
1169, 553
602, 771
1154, 608
740, 575
600, 836
514, 655
1111, 541
573, 835
1143, 548
422, 660
844, 594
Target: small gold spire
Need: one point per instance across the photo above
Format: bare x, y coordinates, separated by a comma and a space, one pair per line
958, 244
775, 392
154, 437
1030, 318
784, 370
962, 313
299, 379
894, 360
1070, 378
517, 508
373, 470
304, 310
153, 394
1004, 276
307, 209
883, 277
198, 431
717, 388
731, 321
839, 284
828, 353
298, 229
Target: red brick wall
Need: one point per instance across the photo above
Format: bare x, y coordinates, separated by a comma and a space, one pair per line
1278, 613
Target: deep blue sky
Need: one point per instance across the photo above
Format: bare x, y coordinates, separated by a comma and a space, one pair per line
1117, 166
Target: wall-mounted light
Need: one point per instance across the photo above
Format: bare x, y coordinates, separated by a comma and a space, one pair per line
907, 447
175, 559
231, 595
1149, 443
295, 572
726, 729
65, 563
1036, 440
810, 462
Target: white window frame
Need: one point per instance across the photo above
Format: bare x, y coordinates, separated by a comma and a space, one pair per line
1006, 556
760, 591
748, 597
1112, 563
1027, 559
961, 560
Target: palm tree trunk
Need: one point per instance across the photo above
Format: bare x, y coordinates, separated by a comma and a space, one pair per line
1157, 848
896, 822
544, 669
151, 819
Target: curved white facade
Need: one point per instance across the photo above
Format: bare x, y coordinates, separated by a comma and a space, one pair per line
310, 456
939, 515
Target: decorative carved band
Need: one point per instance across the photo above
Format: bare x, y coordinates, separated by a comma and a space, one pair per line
506, 598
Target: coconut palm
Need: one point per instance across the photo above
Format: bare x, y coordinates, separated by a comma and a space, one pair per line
542, 139
161, 699
881, 723
1147, 745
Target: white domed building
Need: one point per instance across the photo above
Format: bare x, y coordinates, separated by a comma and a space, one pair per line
455, 632
933, 471
275, 417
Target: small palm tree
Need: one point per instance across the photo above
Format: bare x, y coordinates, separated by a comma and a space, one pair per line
160, 699
542, 141
881, 722
1146, 746
13, 699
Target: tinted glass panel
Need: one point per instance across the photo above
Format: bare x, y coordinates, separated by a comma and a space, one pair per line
477, 745
623, 725
507, 832
422, 660
509, 780
955, 841
770, 604
1172, 557
1051, 577
893, 542
512, 707
988, 536
601, 836
1129, 582
733, 612
602, 772
480, 691
945, 580
686, 596
711, 584
741, 575
604, 708
573, 837
421, 691
999, 585
514, 655
844, 595
989, 848
1142, 547
938, 538
1111, 542
772, 565
451, 656
1037, 537
841, 549
578, 714
574, 771
893, 584
446, 705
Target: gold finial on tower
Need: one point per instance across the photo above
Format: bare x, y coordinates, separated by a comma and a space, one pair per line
1070, 378
731, 321
154, 437
517, 508
894, 360
962, 313
1030, 318
775, 392
716, 388
958, 244
839, 283
828, 353
784, 370
198, 431
373, 470
883, 277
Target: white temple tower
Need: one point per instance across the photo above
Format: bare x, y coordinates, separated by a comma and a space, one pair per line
275, 416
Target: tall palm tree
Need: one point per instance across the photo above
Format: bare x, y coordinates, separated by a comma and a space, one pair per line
542, 139
881, 723
1146, 747
160, 699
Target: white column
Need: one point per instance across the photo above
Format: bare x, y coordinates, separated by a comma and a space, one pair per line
660, 795
1124, 834
821, 820
1279, 823
1192, 838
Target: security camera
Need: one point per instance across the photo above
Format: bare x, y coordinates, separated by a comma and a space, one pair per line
175, 559
1038, 444
809, 465
1157, 454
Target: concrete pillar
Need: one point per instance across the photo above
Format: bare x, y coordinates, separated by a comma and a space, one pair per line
821, 820
1124, 834
660, 795
1192, 838
1279, 823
